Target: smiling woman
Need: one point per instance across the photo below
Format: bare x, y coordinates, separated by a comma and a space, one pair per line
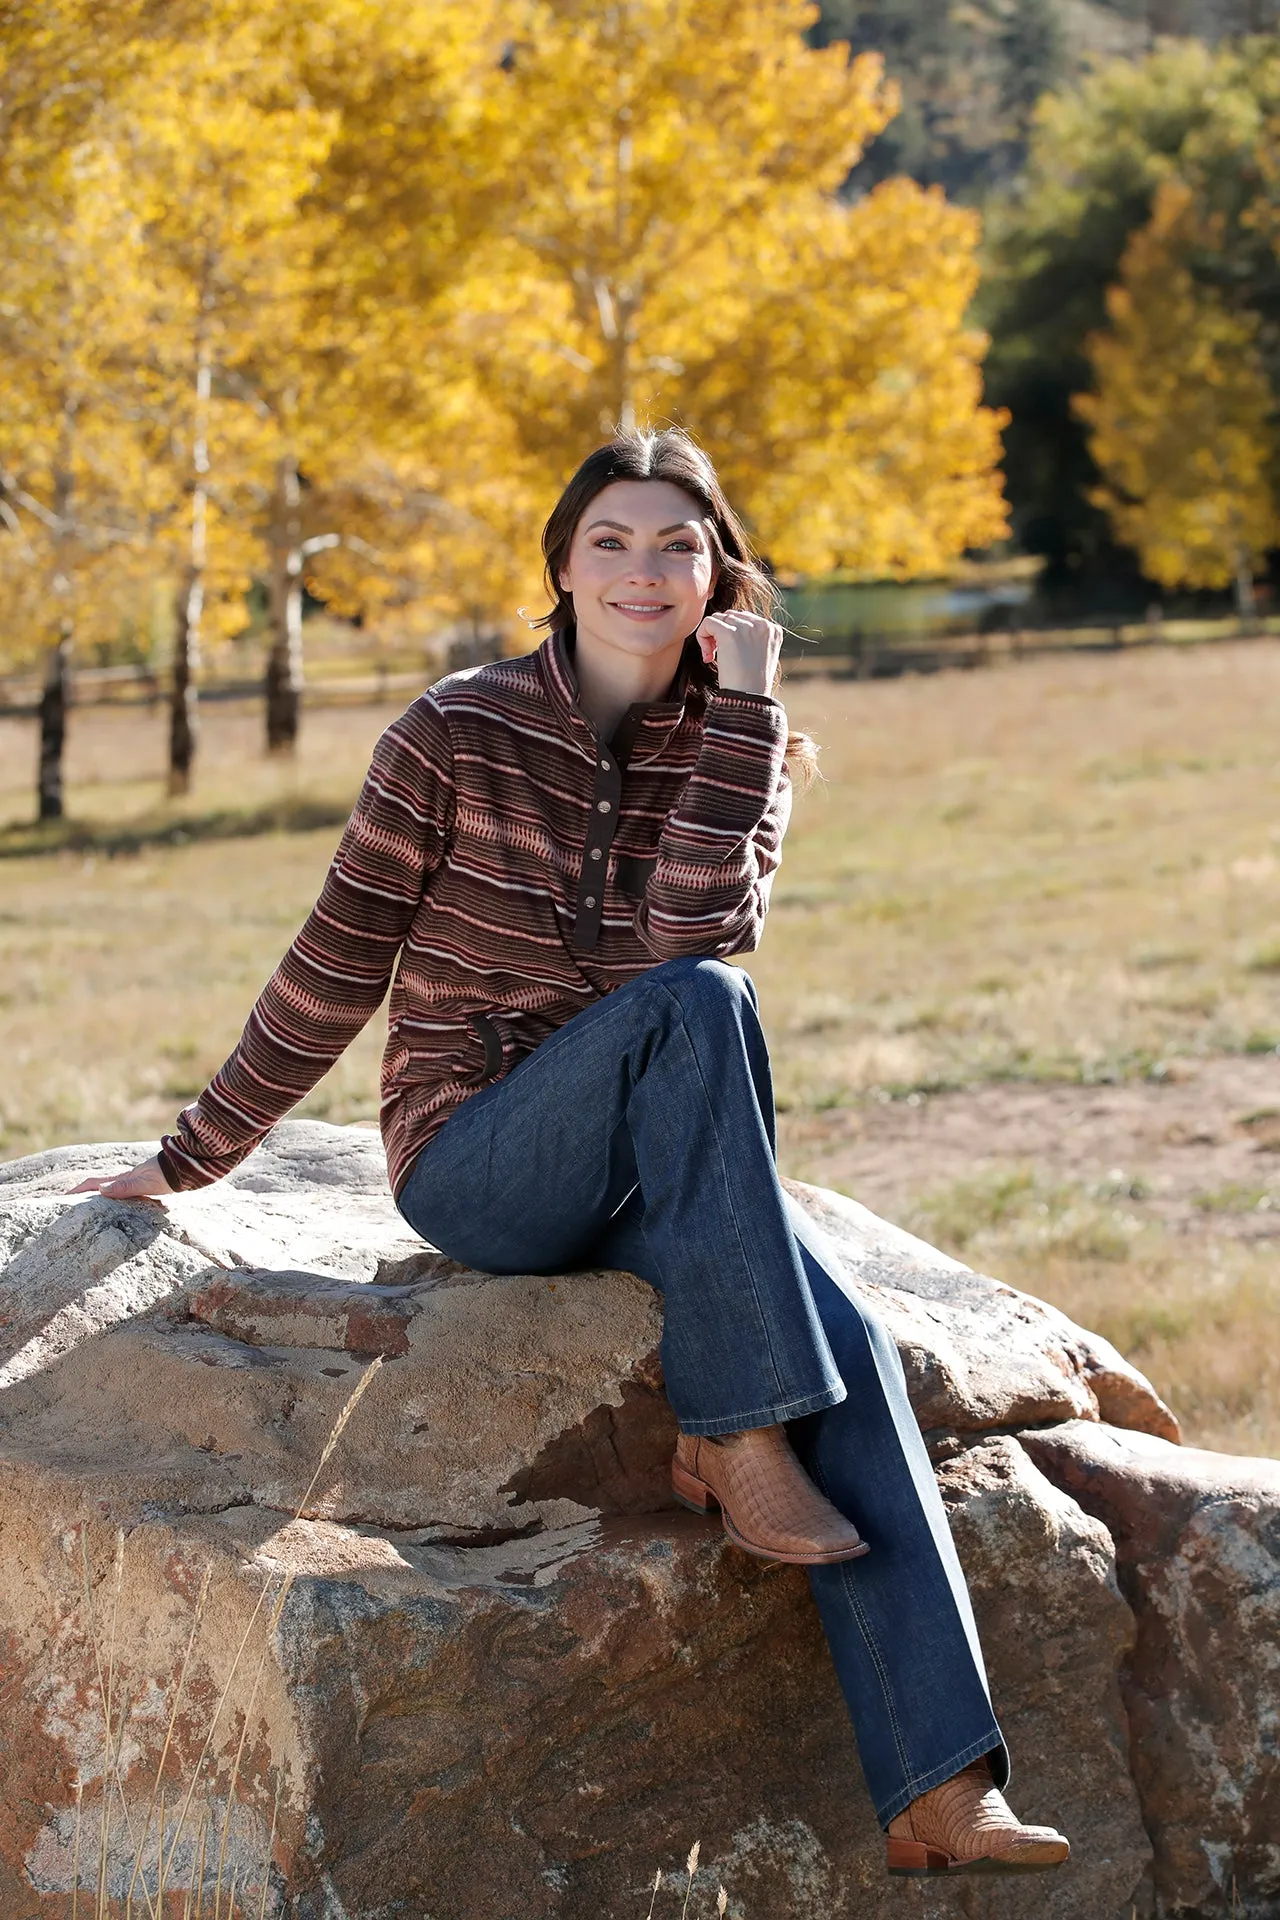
550, 861
632, 588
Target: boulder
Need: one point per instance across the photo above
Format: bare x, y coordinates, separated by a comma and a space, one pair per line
979, 1354
1197, 1541
466, 1662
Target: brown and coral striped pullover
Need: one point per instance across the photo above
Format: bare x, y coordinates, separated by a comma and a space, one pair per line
518, 870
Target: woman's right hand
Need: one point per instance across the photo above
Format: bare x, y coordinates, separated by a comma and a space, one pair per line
146, 1182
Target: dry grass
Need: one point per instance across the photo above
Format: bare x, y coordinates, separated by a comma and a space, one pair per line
1196, 1313
1068, 870
239, 1898
1062, 872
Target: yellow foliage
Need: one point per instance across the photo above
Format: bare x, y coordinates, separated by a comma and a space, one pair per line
77, 498
1181, 417
663, 241
427, 254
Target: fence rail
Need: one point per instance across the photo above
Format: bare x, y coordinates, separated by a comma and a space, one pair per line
144, 687
869, 656
858, 655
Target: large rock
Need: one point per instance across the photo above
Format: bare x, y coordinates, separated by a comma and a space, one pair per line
1197, 1539
506, 1680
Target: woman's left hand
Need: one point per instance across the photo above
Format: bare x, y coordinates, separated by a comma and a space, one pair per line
745, 648
145, 1182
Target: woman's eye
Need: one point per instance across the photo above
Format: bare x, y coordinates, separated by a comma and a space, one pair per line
607, 540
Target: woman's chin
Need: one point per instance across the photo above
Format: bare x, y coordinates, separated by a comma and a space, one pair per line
644, 636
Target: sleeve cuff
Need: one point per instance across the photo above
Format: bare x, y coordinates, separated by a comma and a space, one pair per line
169, 1171
752, 702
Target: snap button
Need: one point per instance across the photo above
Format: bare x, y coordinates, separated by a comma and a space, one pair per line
604, 766
604, 806
596, 854
591, 899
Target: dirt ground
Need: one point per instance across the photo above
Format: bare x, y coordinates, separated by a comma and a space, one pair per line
1196, 1152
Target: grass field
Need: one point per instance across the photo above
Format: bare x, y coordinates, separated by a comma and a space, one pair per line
1021, 979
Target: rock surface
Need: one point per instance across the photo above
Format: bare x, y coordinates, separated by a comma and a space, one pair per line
1197, 1540
506, 1679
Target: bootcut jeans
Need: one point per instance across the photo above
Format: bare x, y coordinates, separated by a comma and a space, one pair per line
641, 1136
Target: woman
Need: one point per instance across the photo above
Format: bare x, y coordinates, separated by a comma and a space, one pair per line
560, 851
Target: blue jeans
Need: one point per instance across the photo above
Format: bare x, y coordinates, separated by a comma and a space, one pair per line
641, 1136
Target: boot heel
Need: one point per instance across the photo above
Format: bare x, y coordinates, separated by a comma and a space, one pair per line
914, 1857
692, 1492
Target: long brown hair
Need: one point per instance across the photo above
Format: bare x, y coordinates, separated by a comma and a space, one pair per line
669, 454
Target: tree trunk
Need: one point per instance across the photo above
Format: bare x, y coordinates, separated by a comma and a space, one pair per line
55, 698
1246, 604
284, 655
184, 698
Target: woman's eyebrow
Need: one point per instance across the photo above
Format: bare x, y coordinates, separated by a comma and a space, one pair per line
680, 526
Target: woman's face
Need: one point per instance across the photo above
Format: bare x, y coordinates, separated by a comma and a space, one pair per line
640, 567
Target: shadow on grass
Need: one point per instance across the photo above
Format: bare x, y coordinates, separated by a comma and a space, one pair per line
290, 814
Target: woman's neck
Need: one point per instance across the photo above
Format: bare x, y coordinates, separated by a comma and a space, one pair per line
610, 681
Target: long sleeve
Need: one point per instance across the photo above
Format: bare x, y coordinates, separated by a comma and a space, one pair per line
722, 841
337, 970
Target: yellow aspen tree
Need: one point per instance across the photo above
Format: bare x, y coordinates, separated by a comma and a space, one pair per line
673, 247
422, 470
77, 498
289, 403
75, 492
1181, 418
223, 147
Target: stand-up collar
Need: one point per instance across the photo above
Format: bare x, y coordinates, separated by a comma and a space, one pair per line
646, 727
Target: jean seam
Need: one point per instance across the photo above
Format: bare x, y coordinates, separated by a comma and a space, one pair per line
761, 1316
914, 1784
917, 1783
877, 1659
870, 1642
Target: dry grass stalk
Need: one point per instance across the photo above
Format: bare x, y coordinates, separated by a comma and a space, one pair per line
157, 1788
112, 1742
272, 1624
336, 1433
657, 1882
75, 1851
722, 1902
106, 1687
213, 1727
204, 1841
326, 1455
271, 1847
691, 1867
115, 1713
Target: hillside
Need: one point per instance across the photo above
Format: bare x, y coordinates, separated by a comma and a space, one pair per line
971, 70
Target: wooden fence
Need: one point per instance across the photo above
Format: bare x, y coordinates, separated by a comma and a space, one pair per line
857, 655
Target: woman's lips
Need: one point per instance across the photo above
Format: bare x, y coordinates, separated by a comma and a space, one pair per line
640, 609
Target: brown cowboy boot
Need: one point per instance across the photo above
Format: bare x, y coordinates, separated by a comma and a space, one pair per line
966, 1826
770, 1506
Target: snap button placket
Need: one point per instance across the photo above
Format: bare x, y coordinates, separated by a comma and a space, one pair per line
602, 823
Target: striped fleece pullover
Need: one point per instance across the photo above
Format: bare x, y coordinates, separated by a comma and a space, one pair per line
518, 870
